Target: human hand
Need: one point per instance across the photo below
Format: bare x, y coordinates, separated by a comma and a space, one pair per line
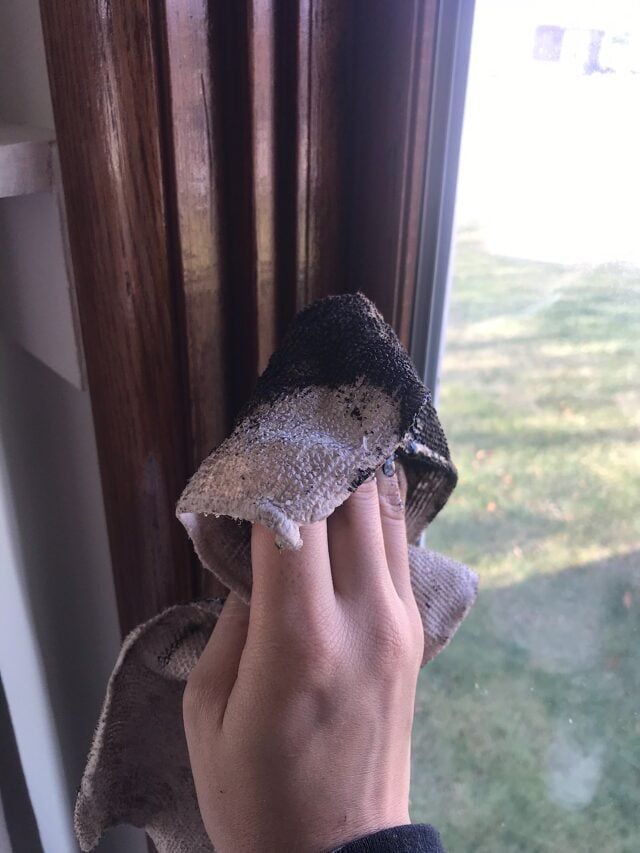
298, 714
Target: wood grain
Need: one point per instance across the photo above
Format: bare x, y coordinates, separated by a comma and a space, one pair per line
262, 82
224, 164
393, 59
105, 88
328, 66
194, 119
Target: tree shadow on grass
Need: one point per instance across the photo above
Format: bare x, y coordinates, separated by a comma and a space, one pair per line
530, 719
581, 619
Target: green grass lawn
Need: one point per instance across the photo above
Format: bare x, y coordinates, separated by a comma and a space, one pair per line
527, 734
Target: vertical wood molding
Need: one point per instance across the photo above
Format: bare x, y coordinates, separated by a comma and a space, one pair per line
328, 110
224, 163
300, 152
314, 123
417, 147
102, 66
262, 81
194, 118
393, 62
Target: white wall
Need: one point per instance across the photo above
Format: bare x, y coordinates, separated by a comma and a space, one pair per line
58, 623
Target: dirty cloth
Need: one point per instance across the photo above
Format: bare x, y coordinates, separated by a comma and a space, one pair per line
338, 399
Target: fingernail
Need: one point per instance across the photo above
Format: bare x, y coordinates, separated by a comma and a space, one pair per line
389, 467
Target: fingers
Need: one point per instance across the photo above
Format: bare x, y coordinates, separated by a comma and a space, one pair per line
356, 543
394, 531
213, 677
291, 580
368, 540
363, 544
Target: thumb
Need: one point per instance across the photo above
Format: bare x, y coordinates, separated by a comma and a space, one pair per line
213, 677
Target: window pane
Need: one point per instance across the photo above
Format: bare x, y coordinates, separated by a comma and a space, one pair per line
527, 732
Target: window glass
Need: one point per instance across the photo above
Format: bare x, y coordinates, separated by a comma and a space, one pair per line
527, 733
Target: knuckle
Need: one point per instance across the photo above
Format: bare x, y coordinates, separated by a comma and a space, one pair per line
304, 656
366, 493
391, 503
417, 633
396, 638
316, 654
391, 642
307, 649
321, 676
196, 699
392, 507
305, 628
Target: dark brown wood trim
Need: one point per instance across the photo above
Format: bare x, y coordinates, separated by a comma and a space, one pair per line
393, 60
104, 82
224, 163
193, 113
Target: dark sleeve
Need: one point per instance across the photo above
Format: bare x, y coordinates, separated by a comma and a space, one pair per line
412, 838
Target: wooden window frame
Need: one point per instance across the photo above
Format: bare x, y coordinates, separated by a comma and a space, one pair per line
223, 165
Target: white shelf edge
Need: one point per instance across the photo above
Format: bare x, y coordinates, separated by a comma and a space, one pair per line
26, 159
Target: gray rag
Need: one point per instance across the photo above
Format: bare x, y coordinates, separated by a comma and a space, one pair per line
337, 399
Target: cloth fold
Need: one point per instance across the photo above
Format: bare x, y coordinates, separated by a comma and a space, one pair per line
337, 399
